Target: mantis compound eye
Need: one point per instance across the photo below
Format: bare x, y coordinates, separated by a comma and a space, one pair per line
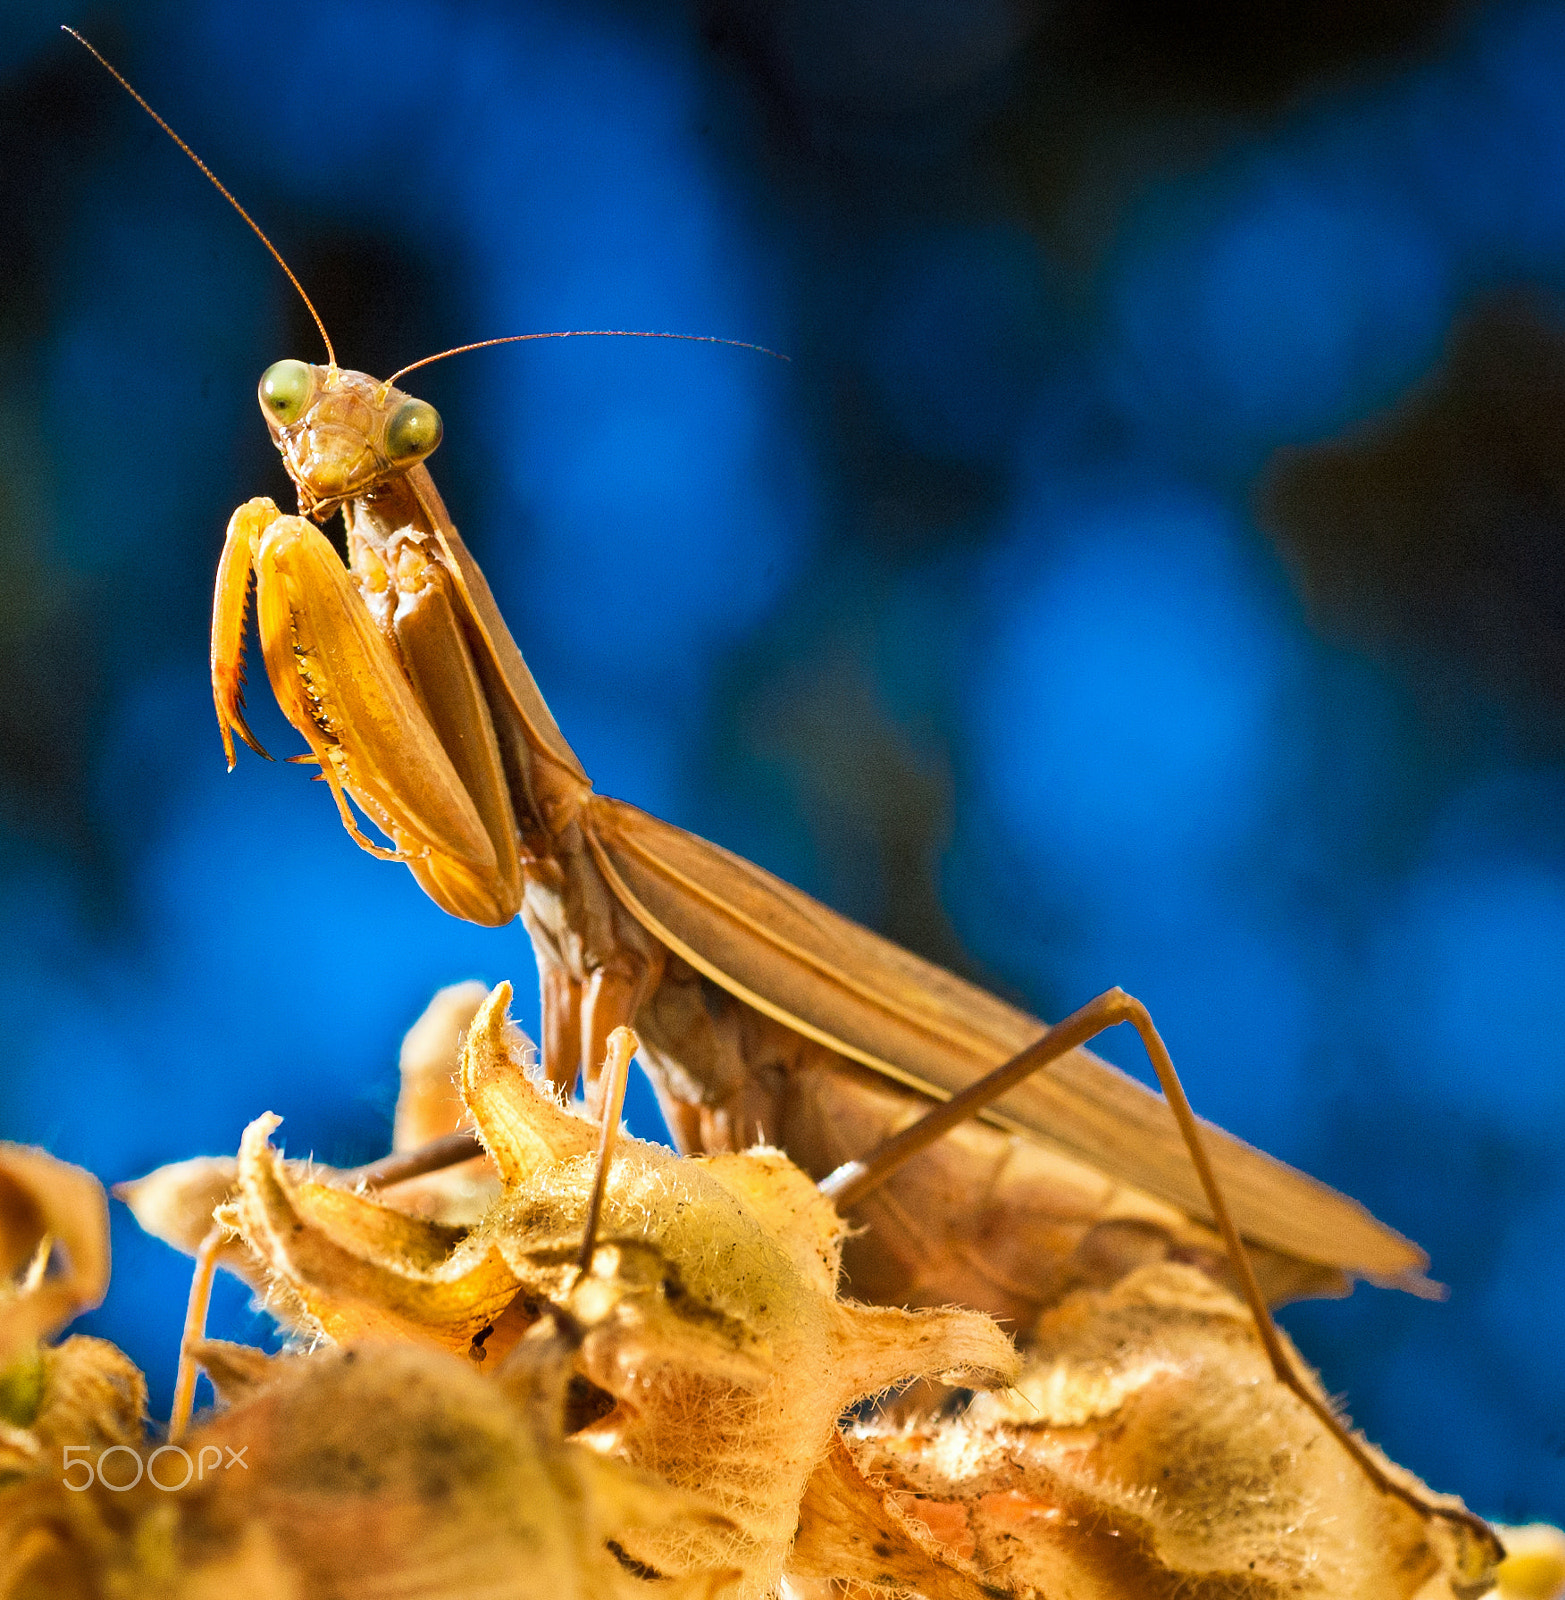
413, 431
285, 386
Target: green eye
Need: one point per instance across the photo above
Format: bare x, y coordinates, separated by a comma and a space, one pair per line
285, 386
414, 431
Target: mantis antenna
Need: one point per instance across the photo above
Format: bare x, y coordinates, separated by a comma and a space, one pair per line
124, 83
461, 349
586, 333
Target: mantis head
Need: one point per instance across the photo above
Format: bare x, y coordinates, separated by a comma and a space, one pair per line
341, 433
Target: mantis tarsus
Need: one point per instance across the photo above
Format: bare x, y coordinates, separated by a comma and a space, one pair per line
762, 1011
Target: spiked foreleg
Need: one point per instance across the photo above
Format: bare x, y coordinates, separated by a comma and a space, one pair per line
342, 685
230, 601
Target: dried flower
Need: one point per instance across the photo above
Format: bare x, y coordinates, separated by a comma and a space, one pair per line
488, 1409
1147, 1450
54, 1264
371, 1473
707, 1326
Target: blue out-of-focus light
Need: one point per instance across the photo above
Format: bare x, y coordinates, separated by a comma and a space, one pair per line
1525, 1298
660, 531
1125, 707
380, 140
955, 343
1484, 141
1283, 306
1472, 975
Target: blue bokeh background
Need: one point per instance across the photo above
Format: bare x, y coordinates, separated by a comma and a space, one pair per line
1039, 612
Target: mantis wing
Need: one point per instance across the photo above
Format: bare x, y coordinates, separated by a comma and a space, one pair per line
792, 958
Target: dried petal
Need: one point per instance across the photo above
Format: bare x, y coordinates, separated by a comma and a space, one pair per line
520, 1124
54, 1248
430, 1104
358, 1268
176, 1202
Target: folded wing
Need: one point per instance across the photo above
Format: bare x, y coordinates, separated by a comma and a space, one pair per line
794, 959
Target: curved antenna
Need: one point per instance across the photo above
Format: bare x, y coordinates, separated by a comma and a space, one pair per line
119, 77
582, 333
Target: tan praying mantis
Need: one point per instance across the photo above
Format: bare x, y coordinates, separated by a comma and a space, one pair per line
762, 1013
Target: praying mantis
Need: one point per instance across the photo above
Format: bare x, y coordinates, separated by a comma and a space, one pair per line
761, 1012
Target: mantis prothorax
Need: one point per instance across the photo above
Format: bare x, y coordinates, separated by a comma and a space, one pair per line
760, 1010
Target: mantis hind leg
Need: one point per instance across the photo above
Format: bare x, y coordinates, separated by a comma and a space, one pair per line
852, 1181
562, 1001
612, 996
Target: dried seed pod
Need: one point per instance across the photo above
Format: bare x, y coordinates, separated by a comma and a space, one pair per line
371, 1473
707, 1335
1148, 1451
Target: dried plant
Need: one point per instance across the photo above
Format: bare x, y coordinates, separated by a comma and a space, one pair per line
380, 1471
472, 1404
705, 1334
54, 1264
1147, 1451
